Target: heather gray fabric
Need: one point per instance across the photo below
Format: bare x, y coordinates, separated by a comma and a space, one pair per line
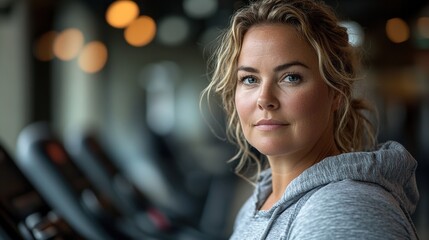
361, 195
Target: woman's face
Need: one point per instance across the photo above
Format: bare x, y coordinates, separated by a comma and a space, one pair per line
284, 106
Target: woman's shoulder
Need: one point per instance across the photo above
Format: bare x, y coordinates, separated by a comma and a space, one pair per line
349, 207
352, 196
349, 189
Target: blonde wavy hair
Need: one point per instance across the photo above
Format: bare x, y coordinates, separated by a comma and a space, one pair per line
338, 63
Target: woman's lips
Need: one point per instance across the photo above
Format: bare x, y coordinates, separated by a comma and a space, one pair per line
269, 124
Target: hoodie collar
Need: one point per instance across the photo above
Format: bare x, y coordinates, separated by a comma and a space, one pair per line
391, 166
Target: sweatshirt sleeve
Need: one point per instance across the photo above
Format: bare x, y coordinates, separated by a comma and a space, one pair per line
351, 210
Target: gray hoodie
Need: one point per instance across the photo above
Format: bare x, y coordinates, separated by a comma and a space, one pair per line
359, 195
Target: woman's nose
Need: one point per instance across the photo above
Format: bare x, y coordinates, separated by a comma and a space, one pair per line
267, 99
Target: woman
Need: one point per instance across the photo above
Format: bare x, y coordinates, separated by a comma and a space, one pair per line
284, 71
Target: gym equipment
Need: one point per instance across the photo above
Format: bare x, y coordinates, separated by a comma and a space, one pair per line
54, 172
24, 214
43, 159
90, 155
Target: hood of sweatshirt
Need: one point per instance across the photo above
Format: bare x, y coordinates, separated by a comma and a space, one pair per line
391, 166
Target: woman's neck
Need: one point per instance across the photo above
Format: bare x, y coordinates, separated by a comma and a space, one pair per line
285, 169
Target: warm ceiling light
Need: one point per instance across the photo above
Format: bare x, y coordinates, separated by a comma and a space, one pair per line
141, 31
397, 30
93, 57
121, 13
43, 48
68, 44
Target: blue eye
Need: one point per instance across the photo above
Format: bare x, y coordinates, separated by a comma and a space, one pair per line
248, 80
293, 78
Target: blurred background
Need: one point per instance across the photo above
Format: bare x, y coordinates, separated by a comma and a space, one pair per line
133, 71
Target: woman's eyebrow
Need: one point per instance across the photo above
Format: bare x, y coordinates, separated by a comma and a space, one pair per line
247, 69
288, 65
276, 69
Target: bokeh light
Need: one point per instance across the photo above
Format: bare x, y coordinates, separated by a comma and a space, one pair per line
93, 57
397, 30
423, 27
355, 32
43, 47
173, 30
200, 8
121, 13
141, 31
209, 36
68, 44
